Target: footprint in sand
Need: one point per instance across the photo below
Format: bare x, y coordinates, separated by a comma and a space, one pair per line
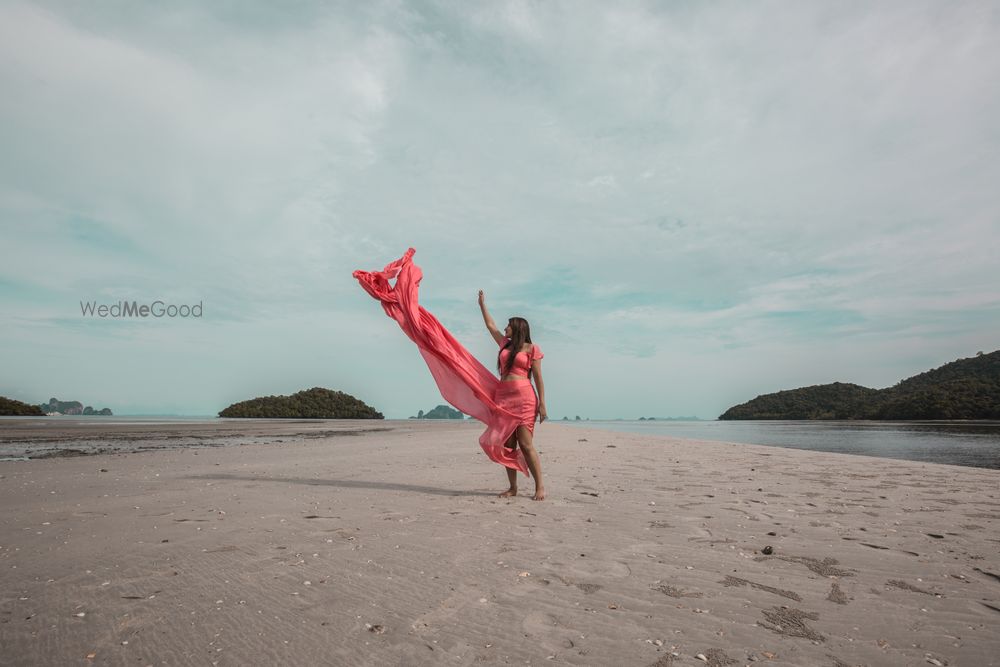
836, 595
824, 568
675, 592
738, 581
588, 588
716, 657
585, 587
585, 569
906, 586
791, 622
547, 632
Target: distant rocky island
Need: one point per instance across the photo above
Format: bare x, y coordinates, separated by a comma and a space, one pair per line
963, 389
11, 407
315, 403
440, 412
57, 407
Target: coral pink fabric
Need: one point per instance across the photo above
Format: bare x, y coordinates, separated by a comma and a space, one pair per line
518, 397
462, 380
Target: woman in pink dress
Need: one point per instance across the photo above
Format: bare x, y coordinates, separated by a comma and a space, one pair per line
507, 405
517, 362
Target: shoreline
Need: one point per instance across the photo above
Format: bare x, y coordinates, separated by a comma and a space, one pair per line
391, 547
32, 439
24, 439
968, 444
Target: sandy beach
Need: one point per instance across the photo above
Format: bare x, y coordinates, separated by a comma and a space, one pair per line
390, 547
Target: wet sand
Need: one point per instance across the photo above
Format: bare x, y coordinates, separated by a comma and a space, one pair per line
48, 437
391, 548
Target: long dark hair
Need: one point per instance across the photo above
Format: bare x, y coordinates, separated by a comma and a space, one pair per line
520, 334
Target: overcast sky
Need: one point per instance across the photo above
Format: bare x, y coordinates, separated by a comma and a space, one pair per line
692, 203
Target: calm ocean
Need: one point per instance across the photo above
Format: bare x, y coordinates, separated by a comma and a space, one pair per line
964, 443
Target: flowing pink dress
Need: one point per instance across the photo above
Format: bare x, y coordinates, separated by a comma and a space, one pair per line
518, 396
463, 381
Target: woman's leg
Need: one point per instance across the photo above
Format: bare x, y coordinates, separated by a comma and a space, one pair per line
525, 441
511, 473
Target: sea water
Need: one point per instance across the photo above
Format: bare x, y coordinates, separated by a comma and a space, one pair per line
964, 443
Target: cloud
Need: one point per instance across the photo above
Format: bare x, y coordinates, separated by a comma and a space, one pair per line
653, 187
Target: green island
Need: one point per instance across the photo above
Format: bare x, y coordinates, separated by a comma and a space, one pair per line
57, 407
315, 403
10, 407
962, 389
440, 412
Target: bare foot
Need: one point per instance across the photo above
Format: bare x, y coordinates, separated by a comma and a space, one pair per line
508, 493
539, 494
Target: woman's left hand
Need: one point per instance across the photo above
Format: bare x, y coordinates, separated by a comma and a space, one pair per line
542, 414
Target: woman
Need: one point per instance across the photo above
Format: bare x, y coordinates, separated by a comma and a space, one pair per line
463, 381
517, 362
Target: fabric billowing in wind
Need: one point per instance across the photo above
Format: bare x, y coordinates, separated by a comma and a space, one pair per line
463, 381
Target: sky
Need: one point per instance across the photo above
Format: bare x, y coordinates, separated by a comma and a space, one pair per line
691, 203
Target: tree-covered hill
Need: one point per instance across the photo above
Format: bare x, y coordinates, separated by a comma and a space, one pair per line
963, 389
824, 401
315, 403
12, 407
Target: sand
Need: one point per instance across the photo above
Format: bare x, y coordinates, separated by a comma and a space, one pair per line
391, 548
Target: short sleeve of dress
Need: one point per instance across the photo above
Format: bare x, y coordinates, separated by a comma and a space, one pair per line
536, 352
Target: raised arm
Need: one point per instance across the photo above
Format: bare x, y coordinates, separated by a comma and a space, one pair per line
490, 324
